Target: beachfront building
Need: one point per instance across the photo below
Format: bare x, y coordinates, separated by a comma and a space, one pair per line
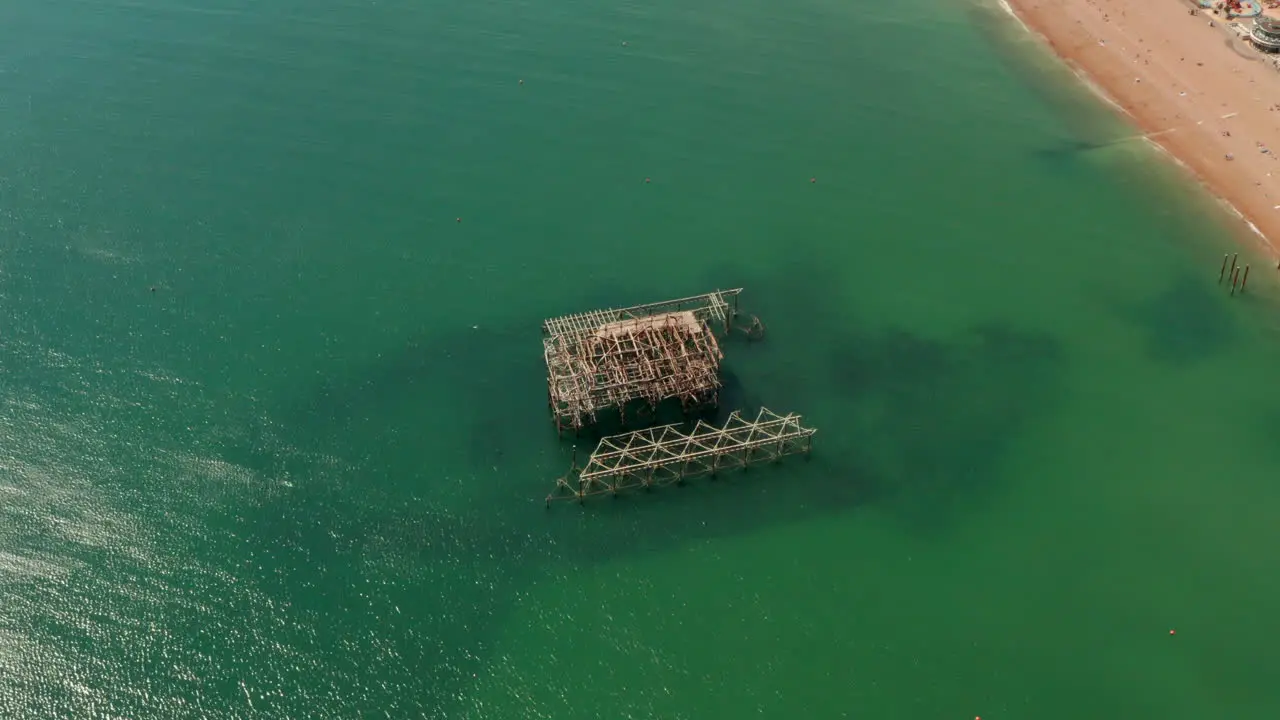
1266, 33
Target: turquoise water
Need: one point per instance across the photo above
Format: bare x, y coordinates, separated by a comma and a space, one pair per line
273, 410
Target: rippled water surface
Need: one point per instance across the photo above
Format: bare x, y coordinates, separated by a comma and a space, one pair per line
273, 439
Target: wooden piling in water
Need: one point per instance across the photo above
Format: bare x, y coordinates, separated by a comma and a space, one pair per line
1245, 279
1223, 272
1233, 263
1235, 278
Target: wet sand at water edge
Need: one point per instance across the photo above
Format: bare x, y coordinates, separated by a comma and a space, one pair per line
1189, 82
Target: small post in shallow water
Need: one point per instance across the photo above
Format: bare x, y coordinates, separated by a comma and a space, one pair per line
1233, 263
1223, 272
1235, 279
1245, 279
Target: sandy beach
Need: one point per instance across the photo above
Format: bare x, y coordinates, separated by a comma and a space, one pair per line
1205, 95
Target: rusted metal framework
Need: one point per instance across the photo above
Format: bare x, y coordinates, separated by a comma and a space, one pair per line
609, 358
662, 455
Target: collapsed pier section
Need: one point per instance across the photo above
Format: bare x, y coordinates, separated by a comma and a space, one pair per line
663, 455
655, 352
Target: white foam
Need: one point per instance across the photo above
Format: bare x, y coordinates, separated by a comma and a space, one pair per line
1009, 9
1168, 155
1236, 211
1098, 91
1221, 200
1102, 94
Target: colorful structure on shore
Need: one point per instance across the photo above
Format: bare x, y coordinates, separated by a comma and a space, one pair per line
1234, 8
1266, 34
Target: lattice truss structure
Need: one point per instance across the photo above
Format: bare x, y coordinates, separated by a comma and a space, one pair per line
662, 455
608, 358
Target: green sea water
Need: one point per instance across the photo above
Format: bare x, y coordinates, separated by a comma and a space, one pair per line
273, 433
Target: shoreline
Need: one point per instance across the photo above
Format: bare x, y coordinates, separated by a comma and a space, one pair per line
1195, 91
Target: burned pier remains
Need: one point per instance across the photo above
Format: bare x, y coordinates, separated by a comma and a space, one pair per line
651, 353
662, 455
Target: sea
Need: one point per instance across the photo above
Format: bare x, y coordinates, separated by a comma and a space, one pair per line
274, 438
